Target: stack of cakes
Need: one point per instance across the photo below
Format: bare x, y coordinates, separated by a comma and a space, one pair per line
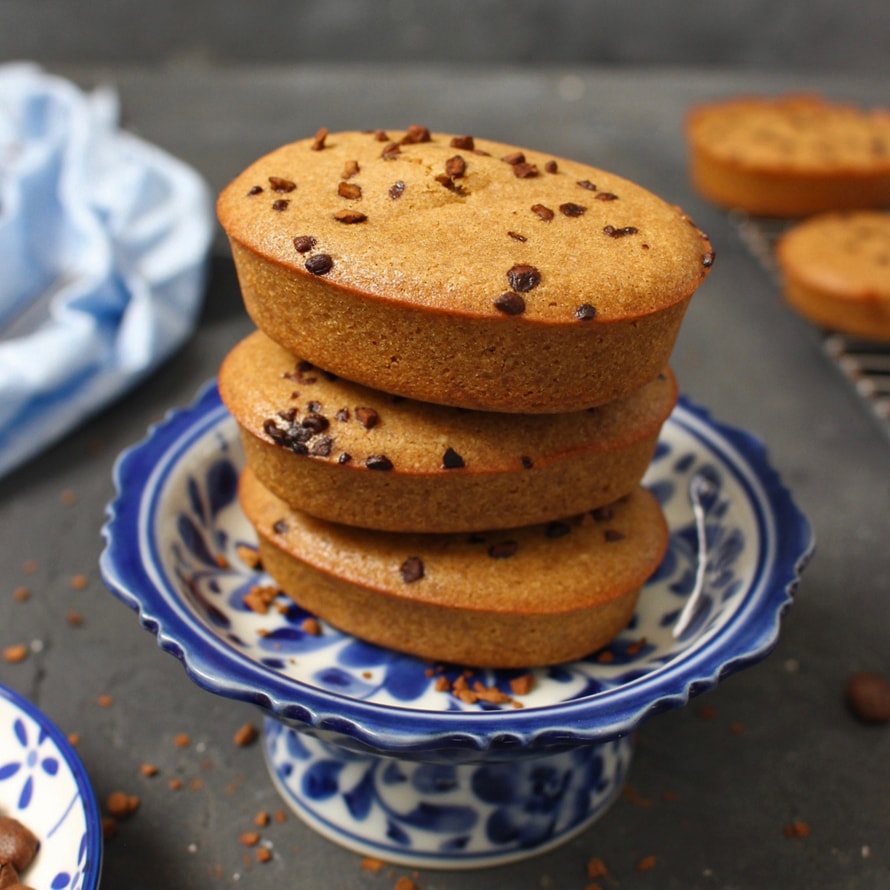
458, 382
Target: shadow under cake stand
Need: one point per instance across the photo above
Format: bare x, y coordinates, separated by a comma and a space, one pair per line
362, 742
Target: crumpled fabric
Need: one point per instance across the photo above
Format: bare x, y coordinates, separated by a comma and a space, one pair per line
104, 246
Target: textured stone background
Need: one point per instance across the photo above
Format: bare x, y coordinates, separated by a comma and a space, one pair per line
803, 35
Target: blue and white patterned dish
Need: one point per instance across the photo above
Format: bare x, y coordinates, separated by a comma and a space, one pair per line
174, 543
45, 787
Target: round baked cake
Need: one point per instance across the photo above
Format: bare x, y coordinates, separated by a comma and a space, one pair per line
462, 272
350, 454
835, 270
538, 595
789, 156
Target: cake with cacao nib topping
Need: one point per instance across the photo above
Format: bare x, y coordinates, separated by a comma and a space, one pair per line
538, 595
461, 271
350, 454
791, 155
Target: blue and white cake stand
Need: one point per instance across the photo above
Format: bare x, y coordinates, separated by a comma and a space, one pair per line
361, 741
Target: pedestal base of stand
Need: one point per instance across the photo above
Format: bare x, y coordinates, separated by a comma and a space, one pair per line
436, 814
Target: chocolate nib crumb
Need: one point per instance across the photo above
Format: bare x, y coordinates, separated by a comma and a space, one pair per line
391, 151
278, 184
708, 259
451, 460
503, 549
344, 458
381, 135
585, 312
607, 196
543, 212
350, 169
349, 217
378, 462
612, 535
255, 190
551, 166
396, 189
411, 569
304, 243
510, 303
587, 184
320, 264
465, 142
280, 527
526, 462
367, 417
571, 209
280, 204
517, 237
523, 277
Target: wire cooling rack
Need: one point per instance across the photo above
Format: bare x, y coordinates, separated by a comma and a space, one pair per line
864, 363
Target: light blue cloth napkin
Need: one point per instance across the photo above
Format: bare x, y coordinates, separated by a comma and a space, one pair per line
104, 242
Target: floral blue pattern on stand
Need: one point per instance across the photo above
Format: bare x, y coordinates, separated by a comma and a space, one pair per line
353, 726
44, 786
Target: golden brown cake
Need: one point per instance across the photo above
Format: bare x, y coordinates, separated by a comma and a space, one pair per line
789, 156
836, 271
462, 272
537, 595
350, 454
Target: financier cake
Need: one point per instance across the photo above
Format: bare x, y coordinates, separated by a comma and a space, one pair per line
346, 453
835, 269
789, 156
538, 595
462, 272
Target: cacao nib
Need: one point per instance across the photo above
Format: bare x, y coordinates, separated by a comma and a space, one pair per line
510, 303
396, 189
503, 549
585, 312
411, 569
543, 212
587, 184
558, 529
349, 190
304, 243
350, 217
451, 460
551, 166
466, 143
456, 167
525, 171
320, 264
572, 209
280, 527
378, 462
255, 190
367, 417
277, 184
281, 204
523, 277
318, 141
